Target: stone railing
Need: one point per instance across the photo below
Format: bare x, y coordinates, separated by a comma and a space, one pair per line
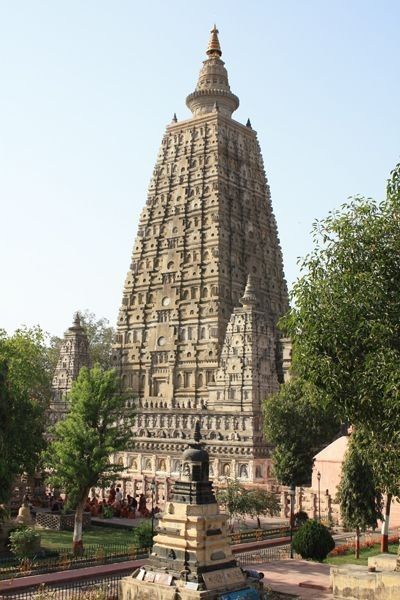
60, 521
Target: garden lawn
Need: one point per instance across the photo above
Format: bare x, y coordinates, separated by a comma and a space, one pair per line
103, 536
347, 559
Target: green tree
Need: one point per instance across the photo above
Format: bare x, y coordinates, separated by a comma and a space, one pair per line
262, 503
28, 366
232, 498
239, 502
344, 322
97, 425
298, 425
24, 396
100, 336
360, 501
383, 458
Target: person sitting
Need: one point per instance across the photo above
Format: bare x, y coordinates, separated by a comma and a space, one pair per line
124, 510
55, 506
142, 505
155, 511
94, 507
118, 495
132, 506
111, 494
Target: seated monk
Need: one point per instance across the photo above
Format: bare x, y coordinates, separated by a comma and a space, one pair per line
111, 494
116, 506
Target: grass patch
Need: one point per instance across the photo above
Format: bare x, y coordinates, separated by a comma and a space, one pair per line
103, 536
350, 559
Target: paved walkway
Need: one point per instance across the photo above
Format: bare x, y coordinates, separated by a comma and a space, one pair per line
119, 522
307, 580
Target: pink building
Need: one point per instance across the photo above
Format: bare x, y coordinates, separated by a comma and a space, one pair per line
328, 463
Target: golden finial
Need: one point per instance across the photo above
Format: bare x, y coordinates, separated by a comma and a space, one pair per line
213, 45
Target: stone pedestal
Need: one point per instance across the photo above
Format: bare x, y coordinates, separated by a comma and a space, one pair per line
191, 557
354, 582
383, 562
133, 589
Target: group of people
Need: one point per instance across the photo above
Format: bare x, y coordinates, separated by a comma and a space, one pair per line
128, 508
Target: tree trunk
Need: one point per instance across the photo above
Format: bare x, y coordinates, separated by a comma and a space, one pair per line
258, 523
385, 525
77, 543
357, 545
398, 558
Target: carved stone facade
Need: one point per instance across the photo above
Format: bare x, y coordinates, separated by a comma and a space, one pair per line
74, 354
192, 344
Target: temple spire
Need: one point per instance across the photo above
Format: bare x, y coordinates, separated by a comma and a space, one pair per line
213, 84
214, 47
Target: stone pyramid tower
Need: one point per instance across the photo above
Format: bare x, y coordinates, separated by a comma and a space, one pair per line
74, 354
191, 343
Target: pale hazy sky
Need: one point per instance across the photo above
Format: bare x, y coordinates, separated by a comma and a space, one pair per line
87, 88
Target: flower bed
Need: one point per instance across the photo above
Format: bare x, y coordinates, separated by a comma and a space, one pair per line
349, 547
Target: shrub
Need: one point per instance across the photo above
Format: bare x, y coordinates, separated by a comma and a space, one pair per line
108, 511
24, 541
313, 540
4, 513
300, 518
142, 537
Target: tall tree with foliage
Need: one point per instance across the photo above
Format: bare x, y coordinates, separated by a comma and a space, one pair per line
360, 500
24, 396
232, 498
262, 503
298, 424
344, 323
383, 457
239, 502
97, 425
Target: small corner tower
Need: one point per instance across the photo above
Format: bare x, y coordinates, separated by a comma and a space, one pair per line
74, 354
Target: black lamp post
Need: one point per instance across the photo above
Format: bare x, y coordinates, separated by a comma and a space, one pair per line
319, 496
292, 492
